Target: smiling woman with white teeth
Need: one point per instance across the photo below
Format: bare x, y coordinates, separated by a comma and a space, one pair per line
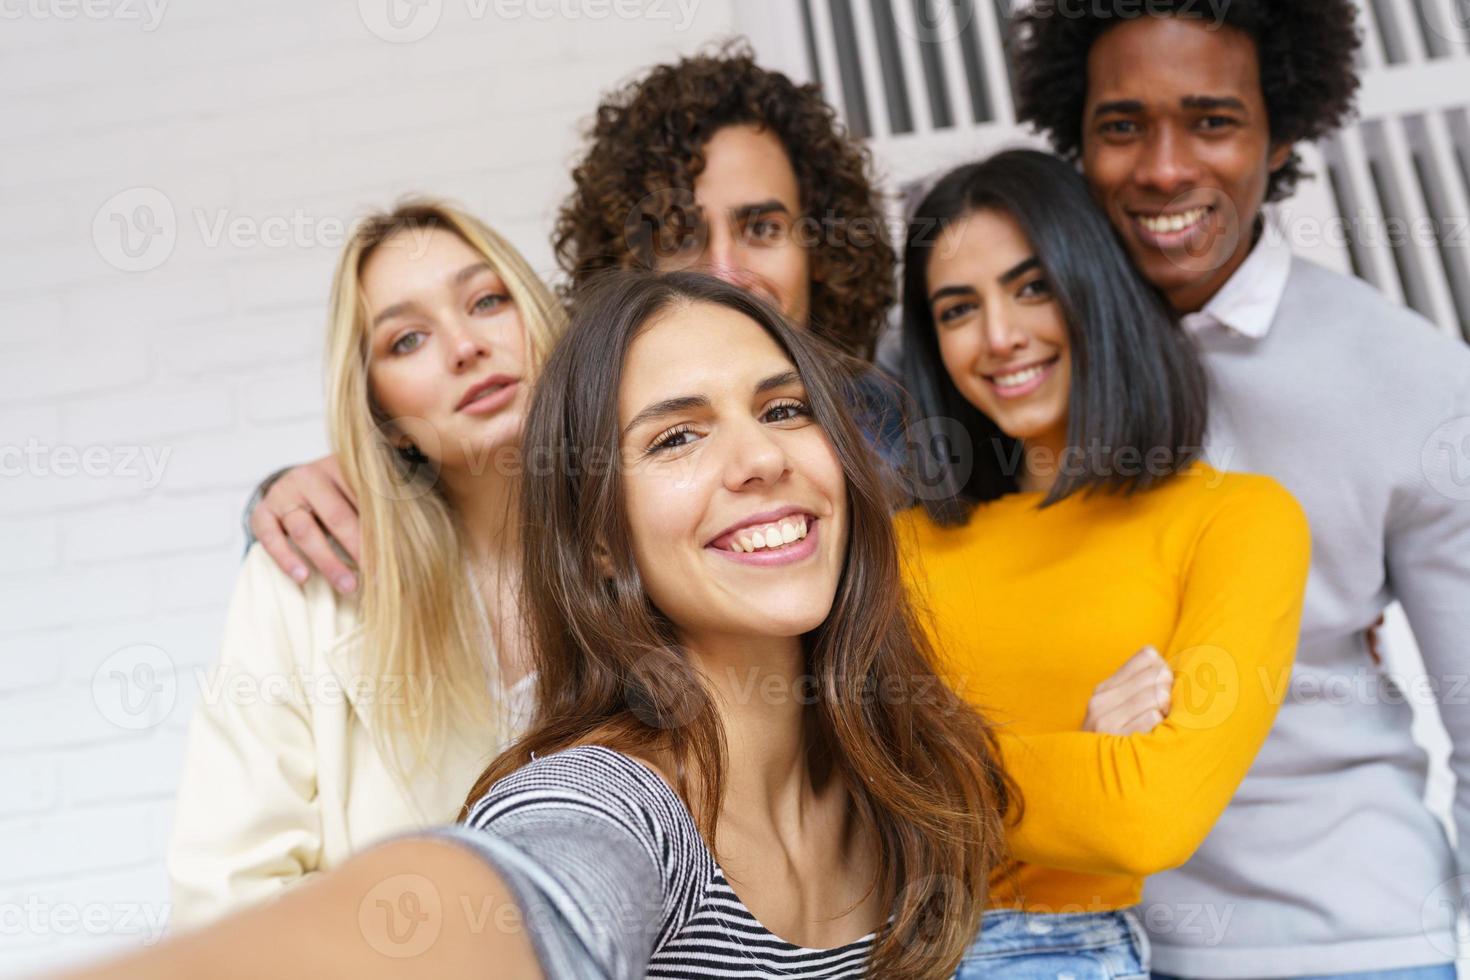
1074, 411
741, 761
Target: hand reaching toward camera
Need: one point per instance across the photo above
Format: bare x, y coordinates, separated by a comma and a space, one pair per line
300, 509
1134, 699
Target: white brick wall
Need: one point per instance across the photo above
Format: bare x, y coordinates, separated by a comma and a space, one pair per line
138, 408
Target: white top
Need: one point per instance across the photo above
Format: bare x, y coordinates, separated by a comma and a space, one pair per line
282, 777
1248, 301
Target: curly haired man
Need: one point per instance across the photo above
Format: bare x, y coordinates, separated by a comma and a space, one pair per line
716, 163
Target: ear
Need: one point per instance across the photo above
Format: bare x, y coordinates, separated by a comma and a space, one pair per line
1280, 153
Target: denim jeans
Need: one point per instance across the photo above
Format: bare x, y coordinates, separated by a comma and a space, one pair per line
1444, 971
1086, 946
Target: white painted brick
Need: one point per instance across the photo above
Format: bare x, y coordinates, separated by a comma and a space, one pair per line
79, 919
130, 476
243, 342
131, 305
299, 282
133, 155
359, 115
137, 768
158, 526
193, 582
242, 461
18, 424
240, 44
70, 716
182, 641
159, 413
29, 662
30, 545
72, 369
32, 784
63, 599
80, 840
287, 396
47, 266
29, 321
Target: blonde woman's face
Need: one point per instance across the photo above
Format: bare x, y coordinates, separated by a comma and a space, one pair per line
447, 354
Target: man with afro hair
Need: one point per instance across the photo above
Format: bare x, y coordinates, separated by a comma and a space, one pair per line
1327, 862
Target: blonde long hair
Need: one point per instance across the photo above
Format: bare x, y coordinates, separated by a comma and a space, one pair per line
422, 625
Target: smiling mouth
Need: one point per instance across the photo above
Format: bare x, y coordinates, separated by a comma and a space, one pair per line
1170, 225
770, 537
1018, 379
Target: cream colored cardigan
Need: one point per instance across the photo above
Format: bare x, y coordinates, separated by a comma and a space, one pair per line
281, 777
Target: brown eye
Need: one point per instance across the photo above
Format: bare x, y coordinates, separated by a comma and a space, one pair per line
1035, 289
672, 439
794, 409
956, 311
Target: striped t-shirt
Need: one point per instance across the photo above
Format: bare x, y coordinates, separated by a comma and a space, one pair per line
615, 881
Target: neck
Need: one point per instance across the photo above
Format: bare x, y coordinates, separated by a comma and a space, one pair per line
1041, 459
1192, 297
760, 689
488, 509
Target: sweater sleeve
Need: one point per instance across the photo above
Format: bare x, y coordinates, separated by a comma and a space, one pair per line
603, 859
1428, 555
246, 823
1140, 804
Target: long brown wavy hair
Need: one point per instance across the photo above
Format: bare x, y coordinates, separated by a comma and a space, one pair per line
648, 140
922, 769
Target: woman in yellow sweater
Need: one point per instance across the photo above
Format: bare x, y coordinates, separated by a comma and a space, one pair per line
1067, 521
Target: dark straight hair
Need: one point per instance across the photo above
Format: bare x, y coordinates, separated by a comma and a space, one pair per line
923, 771
1137, 406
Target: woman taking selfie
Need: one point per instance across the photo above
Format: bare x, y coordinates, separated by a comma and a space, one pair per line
332, 721
740, 760
1126, 613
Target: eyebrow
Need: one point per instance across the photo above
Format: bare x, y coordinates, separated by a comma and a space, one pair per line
745, 212
1212, 102
1005, 279
458, 279
1117, 106
1130, 107
685, 403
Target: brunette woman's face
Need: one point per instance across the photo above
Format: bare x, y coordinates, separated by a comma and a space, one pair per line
1002, 335
447, 359
735, 496
750, 204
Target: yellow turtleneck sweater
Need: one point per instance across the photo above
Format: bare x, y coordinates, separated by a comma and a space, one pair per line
1031, 609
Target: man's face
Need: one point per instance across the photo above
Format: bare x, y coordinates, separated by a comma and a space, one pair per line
1176, 145
749, 205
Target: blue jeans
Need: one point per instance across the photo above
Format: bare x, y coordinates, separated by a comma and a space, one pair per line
1445, 971
1087, 946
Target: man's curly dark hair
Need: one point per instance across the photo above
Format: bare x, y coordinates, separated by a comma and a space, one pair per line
1305, 49
648, 138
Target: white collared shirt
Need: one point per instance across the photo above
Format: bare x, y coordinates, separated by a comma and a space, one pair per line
1248, 301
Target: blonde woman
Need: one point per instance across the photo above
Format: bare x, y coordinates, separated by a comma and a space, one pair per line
334, 720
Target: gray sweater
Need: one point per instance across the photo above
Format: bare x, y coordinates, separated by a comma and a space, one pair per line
1328, 860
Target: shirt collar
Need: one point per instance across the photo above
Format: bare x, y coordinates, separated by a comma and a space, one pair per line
1248, 301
